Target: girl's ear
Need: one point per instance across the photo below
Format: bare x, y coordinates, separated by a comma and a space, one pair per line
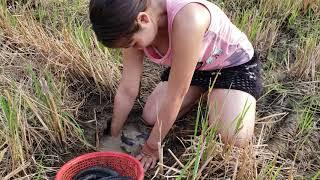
143, 18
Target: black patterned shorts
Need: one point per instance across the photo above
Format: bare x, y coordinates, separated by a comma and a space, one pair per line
245, 77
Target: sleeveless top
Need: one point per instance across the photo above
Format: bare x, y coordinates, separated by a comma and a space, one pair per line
223, 45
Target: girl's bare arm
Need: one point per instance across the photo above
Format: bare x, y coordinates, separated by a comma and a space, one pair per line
128, 88
189, 27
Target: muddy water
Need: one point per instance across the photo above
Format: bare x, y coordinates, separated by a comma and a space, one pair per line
108, 143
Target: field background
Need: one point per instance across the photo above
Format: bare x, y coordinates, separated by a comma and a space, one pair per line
57, 84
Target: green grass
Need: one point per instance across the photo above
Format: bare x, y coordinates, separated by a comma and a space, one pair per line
306, 122
35, 118
316, 176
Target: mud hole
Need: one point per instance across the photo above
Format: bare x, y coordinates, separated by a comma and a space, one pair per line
96, 119
278, 132
95, 114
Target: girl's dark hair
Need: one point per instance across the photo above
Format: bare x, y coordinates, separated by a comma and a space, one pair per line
115, 19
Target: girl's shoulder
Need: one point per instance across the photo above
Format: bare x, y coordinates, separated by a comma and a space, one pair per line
193, 14
187, 11
198, 8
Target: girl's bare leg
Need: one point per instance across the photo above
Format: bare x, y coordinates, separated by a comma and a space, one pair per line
153, 103
232, 112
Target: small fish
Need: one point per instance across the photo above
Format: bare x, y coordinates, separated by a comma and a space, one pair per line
143, 135
127, 140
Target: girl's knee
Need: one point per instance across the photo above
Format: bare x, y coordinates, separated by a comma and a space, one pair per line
148, 115
153, 103
150, 111
240, 139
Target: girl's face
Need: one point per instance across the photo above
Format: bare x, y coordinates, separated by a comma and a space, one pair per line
146, 34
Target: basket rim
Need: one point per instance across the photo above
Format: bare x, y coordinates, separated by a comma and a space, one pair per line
86, 156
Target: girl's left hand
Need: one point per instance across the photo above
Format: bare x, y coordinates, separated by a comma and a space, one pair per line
148, 157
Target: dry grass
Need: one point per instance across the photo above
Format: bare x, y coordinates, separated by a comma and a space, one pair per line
286, 143
50, 62
40, 64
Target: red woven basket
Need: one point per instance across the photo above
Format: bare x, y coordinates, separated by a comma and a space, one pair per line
124, 164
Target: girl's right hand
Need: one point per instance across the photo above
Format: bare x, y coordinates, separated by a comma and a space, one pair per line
128, 88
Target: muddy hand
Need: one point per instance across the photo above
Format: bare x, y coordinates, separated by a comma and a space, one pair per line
148, 157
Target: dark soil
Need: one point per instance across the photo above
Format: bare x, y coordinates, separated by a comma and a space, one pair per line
96, 112
95, 116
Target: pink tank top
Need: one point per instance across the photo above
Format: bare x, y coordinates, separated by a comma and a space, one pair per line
224, 45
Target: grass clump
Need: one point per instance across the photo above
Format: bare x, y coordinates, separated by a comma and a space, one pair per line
51, 63
45, 51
